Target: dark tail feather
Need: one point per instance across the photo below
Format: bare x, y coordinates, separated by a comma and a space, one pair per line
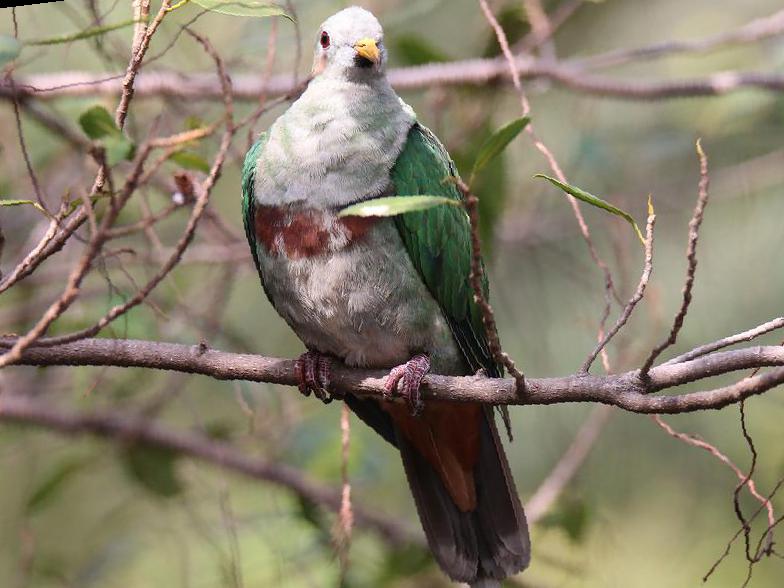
489, 543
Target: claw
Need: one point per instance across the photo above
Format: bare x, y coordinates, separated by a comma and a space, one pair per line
405, 380
314, 375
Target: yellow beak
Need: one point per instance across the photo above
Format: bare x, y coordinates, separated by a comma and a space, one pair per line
368, 49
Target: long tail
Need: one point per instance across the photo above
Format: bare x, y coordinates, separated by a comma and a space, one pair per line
477, 534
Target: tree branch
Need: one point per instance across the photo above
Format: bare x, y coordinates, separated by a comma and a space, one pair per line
470, 72
626, 390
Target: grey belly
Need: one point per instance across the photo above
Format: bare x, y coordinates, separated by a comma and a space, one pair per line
365, 304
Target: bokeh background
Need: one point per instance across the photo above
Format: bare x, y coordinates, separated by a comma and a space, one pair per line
645, 510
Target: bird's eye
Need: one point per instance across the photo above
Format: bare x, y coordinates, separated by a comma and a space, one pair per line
325, 39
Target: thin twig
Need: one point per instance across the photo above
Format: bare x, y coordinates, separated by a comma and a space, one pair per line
141, 41
636, 297
752, 32
749, 335
185, 239
745, 479
39, 195
691, 259
738, 533
23, 268
476, 278
345, 520
142, 38
525, 106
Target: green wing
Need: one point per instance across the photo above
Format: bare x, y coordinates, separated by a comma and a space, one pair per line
438, 241
248, 197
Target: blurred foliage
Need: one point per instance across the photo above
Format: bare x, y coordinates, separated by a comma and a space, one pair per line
572, 515
414, 50
153, 468
489, 184
48, 488
190, 160
80, 512
513, 20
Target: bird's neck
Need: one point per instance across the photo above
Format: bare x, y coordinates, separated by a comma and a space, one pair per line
336, 145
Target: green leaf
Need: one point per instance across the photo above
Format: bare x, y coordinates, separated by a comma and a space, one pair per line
32, 203
190, 160
394, 205
96, 122
154, 469
74, 204
594, 201
571, 515
496, 143
52, 483
255, 8
85, 34
414, 50
118, 148
9, 49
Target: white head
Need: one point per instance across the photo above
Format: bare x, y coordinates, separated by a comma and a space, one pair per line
350, 44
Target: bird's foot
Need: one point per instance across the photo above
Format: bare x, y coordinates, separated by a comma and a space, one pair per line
314, 370
405, 380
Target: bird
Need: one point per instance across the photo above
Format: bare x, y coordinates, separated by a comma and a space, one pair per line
385, 292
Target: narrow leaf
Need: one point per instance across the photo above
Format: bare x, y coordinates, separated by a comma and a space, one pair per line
255, 8
32, 203
594, 201
85, 34
394, 205
190, 160
497, 142
74, 204
9, 49
96, 122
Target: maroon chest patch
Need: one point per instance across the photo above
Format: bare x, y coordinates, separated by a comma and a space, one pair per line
306, 232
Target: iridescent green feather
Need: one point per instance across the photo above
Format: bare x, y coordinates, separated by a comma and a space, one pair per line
438, 241
248, 196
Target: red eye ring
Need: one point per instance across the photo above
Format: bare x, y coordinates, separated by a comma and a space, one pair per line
324, 39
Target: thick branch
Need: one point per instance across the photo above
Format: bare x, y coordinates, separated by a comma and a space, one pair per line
626, 390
